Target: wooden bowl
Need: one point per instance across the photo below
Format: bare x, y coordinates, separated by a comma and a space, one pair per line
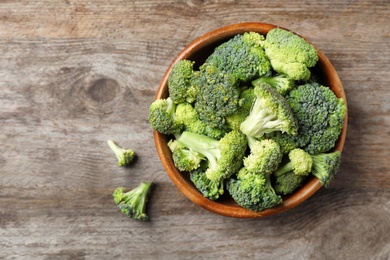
198, 51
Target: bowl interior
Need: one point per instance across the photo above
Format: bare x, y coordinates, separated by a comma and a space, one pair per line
198, 51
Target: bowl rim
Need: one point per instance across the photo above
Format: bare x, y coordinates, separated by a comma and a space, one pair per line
290, 201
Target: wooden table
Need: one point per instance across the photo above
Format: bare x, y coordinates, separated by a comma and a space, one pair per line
75, 73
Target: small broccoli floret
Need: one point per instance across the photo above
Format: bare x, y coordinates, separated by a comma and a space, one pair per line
133, 203
183, 158
253, 191
162, 116
325, 166
290, 54
270, 113
299, 162
224, 156
264, 157
125, 156
218, 96
320, 115
247, 98
209, 189
242, 56
288, 182
282, 83
285, 141
186, 115
181, 84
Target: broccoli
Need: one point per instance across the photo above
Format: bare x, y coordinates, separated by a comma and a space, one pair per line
218, 96
224, 156
299, 162
320, 115
282, 83
184, 158
242, 56
181, 82
247, 98
288, 182
290, 54
325, 166
162, 116
125, 156
270, 112
188, 117
264, 157
253, 191
133, 203
285, 141
209, 189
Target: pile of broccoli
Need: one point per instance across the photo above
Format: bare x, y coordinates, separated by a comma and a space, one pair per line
253, 120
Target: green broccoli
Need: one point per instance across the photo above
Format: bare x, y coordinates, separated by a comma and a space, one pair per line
288, 182
285, 141
265, 156
209, 189
133, 203
242, 56
224, 156
162, 116
299, 162
181, 85
125, 156
290, 54
270, 112
253, 191
184, 158
325, 166
218, 96
187, 116
320, 115
282, 83
247, 98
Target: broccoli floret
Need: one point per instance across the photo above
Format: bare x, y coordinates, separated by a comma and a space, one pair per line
242, 56
285, 141
133, 203
162, 116
264, 157
209, 189
253, 191
270, 112
247, 98
218, 96
187, 116
320, 115
181, 85
224, 156
288, 182
125, 156
299, 162
325, 166
282, 83
183, 158
290, 54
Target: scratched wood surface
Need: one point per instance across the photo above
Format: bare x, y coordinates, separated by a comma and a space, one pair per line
76, 73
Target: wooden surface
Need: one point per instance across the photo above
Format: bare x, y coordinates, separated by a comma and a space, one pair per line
74, 74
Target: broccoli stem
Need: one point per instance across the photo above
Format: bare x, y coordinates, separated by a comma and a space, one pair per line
284, 169
202, 144
259, 121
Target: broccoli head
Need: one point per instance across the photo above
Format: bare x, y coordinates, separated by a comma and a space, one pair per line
325, 166
209, 189
264, 157
320, 115
282, 83
288, 182
184, 158
133, 203
162, 116
181, 82
224, 156
125, 156
270, 112
218, 96
290, 54
300, 163
253, 191
242, 56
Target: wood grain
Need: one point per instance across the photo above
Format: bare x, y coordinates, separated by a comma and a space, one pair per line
74, 74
